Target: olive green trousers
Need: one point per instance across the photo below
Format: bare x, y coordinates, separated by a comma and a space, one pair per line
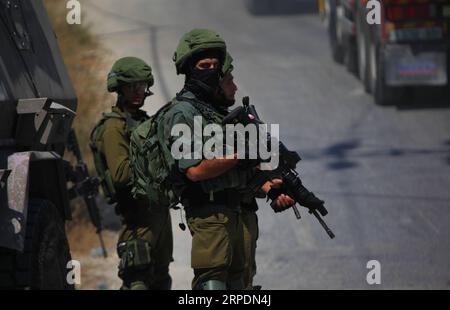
250, 235
145, 247
218, 249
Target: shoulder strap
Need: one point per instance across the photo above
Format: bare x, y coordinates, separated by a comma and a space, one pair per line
131, 123
204, 109
101, 122
164, 108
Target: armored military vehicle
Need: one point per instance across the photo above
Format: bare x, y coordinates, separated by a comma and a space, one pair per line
37, 107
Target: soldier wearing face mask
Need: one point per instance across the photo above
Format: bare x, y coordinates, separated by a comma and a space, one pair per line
209, 189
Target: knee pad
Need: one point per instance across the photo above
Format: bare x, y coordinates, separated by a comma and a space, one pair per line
138, 286
212, 285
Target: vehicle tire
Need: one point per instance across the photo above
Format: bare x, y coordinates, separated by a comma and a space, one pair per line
335, 34
351, 56
362, 47
383, 94
42, 265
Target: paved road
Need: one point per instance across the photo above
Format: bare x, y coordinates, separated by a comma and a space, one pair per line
384, 172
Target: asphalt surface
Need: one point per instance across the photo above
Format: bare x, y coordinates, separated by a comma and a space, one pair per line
384, 172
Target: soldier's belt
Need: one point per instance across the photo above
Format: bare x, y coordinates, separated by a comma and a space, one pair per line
229, 197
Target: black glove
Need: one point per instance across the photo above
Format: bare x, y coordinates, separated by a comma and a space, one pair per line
274, 192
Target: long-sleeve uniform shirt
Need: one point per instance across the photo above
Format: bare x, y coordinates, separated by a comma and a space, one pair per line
114, 144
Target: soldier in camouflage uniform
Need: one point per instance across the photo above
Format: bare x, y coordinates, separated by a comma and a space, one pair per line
209, 188
145, 244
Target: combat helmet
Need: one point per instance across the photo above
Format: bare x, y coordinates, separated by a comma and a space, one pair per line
227, 65
194, 42
129, 70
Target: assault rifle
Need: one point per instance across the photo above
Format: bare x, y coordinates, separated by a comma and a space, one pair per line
288, 160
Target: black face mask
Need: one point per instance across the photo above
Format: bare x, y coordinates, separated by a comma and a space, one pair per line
204, 83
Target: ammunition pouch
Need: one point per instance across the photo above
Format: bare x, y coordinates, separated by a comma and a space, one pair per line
134, 255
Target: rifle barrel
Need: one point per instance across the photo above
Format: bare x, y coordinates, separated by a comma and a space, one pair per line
297, 213
324, 225
102, 244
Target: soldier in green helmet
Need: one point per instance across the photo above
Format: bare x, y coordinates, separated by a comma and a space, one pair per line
209, 189
208, 192
145, 243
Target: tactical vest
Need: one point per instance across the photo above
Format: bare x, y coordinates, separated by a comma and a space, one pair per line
154, 169
232, 179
